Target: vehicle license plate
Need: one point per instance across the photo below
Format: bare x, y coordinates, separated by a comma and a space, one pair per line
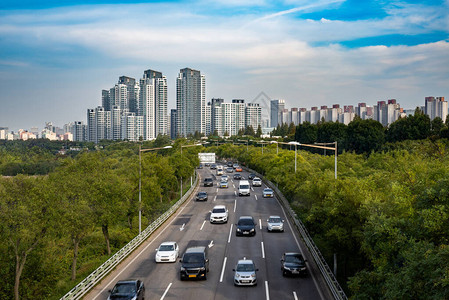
245, 232
192, 276
295, 272
245, 281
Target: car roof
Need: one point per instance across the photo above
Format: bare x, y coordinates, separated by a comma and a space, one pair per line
246, 217
293, 253
245, 261
168, 243
196, 249
219, 206
256, 178
274, 217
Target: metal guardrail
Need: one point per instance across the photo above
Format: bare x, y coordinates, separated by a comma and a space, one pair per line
329, 277
96, 276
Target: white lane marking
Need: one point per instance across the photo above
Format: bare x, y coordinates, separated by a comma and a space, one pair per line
203, 225
267, 293
217, 190
260, 224
235, 193
182, 227
211, 244
252, 189
215, 198
235, 204
166, 291
300, 249
295, 296
263, 250
255, 196
230, 232
223, 269
233, 185
137, 256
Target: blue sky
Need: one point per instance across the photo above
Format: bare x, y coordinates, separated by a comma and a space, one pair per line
57, 56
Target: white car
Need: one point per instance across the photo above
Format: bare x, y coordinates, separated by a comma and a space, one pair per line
219, 214
224, 178
275, 223
245, 272
257, 181
167, 252
223, 184
268, 193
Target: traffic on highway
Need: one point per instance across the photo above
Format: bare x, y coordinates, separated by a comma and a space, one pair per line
232, 242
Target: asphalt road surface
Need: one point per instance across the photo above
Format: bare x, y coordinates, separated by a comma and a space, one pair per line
190, 226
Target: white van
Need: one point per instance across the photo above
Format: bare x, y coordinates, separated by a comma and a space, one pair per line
244, 188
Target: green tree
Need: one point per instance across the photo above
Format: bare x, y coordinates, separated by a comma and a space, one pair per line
306, 133
259, 131
26, 217
365, 136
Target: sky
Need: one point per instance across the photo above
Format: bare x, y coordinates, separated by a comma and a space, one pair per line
57, 55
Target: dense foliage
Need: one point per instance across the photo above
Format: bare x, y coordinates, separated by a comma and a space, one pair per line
386, 216
59, 227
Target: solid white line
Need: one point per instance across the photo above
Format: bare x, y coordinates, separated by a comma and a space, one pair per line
295, 296
235, 204
203, 225
267, 293
263, 250
223, 269
255, 196
260, 224
230, 232
166, 291
144, 249
215, 198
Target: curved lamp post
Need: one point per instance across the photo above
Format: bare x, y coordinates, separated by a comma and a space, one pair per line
140, 180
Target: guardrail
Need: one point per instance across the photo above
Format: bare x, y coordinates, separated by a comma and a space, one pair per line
90, 281
329, 277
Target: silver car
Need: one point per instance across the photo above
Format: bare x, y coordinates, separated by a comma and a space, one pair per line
257, 181
245, 272
275, 223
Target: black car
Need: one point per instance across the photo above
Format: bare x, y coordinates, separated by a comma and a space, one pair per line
237, 176
127, 289
194, 263
293, 263
208, 181
200, 166
251, 176
213, 166
201, 196
245, 226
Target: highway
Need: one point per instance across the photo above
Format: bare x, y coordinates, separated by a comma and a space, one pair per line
190, 226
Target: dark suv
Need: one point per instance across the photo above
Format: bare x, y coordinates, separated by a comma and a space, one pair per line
208, 181
195, 263
245, 226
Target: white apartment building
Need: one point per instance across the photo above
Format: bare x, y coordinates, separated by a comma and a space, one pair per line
230, 117
253, 115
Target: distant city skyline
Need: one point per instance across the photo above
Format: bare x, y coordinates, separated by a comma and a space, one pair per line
57, 56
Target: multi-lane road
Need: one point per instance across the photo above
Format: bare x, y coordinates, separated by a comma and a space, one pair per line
190, 226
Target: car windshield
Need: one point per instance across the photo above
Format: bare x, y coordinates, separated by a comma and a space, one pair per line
218, 210
246, 222
294, 258
245, 267
274, 220
244, 186
166, 248
267, 190
124, 288
201, 194
193, 258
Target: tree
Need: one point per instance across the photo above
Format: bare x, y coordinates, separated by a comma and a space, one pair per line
259, 131
306, 133
249, 130
365, 136
26, 217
